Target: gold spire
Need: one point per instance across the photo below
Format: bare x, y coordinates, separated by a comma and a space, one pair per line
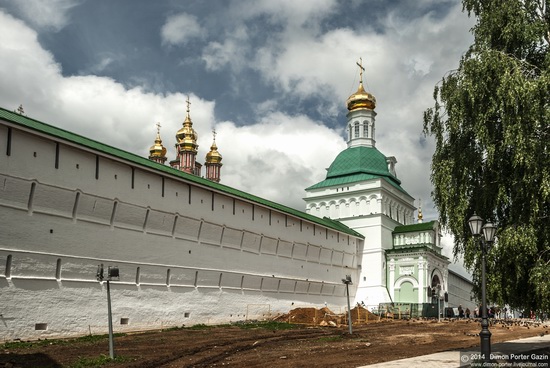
157, 150
213, 157
420, 211
361, 99
187, 137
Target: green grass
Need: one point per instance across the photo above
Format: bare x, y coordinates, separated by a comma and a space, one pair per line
99, 361
268, 325
46, 342
200, 326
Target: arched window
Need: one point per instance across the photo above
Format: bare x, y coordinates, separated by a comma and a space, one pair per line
356, 132
365, 129
349, 133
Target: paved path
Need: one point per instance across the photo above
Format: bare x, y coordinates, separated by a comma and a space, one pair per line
452, 359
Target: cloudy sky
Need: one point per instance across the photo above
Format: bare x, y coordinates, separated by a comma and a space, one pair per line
271, 77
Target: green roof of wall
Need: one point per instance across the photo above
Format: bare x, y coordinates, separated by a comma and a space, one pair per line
414, 227
356, 164
134, 159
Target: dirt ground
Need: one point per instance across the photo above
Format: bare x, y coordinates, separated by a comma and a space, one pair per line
308, 345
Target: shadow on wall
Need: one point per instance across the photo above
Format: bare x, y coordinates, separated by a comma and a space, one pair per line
28, 360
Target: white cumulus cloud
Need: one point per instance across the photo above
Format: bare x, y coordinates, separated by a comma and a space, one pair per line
46, 14
179, 29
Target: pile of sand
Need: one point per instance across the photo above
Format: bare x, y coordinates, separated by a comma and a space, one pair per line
325, 317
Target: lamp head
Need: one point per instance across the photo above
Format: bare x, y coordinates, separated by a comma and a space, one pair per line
489, 231
113, 273
475, 223
347, 280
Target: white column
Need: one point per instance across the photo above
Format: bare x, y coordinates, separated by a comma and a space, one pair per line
421, 278
392, 278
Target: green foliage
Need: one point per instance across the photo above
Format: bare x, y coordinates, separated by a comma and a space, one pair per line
491, 124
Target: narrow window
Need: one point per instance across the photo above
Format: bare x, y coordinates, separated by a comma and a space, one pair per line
356, 130
97, 167
8, 143
162, 186
168, 277
133, 177
138, 275
365, 129
189, 194
58, 270
212, 201
57, 155
31, 197
75, 207
8, 267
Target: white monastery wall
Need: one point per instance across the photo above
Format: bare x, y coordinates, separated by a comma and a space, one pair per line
460, 292
187, 254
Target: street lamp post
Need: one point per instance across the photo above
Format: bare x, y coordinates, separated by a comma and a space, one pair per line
488, 235
348, 282
112, 274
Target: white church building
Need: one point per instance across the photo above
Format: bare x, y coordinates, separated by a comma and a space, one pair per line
401, 261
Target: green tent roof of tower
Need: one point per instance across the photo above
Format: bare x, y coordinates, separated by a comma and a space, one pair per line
356, 164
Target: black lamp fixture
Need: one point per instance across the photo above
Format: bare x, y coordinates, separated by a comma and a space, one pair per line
488, 231
347, 282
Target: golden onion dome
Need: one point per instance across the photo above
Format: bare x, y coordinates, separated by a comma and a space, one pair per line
361, 99
187, 137
157, 149
213, 157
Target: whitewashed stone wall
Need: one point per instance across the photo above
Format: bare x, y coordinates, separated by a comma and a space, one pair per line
187, 253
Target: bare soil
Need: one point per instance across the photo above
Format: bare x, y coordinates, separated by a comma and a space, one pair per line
307, 345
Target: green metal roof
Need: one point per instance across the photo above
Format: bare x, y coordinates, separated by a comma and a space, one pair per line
359, 159
414, 227
136, 160
356, 164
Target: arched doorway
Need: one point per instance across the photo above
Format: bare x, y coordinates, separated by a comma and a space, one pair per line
437, 293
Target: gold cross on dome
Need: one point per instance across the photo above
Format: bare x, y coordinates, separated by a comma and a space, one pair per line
158, 127
188, 104
214, 133
361, 69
